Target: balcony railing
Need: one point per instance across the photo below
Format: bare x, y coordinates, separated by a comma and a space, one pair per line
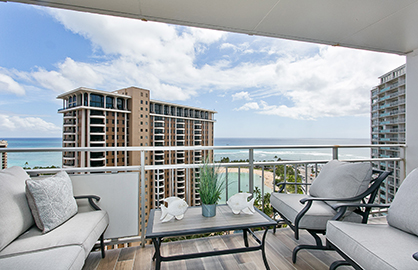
251, 175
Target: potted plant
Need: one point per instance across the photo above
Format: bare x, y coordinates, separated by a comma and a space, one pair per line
211, 185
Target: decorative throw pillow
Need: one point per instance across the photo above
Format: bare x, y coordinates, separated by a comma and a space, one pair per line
51, 200
341, 180
402, 212
15, 216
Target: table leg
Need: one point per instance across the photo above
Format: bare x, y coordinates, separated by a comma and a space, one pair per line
157, 254
244, 232
263, 251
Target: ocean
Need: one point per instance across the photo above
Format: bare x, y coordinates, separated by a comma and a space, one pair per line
290, 154
42, 159
54, 158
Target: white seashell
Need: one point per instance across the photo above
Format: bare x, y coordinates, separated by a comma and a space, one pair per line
176, 208
239, 202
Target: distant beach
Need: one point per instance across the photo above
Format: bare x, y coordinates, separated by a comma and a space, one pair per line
268, 176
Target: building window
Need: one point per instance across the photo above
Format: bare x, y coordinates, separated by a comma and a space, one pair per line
109, 102
96, 100
120, 103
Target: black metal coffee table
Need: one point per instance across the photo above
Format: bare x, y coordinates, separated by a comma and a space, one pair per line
194, 223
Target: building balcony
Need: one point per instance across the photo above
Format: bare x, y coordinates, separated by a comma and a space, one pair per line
69, 123
131, 190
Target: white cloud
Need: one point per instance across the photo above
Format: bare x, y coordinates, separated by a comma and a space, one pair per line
8, 84
317, 81
249, 106
27, 126
241, 95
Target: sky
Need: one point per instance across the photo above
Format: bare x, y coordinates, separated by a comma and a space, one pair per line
261, 87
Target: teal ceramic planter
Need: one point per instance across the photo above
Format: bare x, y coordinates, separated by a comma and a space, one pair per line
208, 210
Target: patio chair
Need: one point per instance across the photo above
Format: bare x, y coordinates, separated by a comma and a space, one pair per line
337, 182
380, 246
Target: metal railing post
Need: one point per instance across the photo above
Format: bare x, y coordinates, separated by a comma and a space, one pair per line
226, 184
187, 196
239, 179
262, 188
251, 176
142, 198
335, 152
402, 164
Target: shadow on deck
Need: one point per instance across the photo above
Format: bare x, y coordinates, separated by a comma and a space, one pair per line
279, 248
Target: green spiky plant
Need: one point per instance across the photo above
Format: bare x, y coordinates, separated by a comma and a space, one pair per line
211, 183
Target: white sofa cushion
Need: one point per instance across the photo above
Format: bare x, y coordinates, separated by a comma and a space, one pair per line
15, 215
83, 230
374, 246
341, 180
51, 200
402, 213
60, 258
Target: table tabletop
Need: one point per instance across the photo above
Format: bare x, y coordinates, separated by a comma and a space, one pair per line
194, 223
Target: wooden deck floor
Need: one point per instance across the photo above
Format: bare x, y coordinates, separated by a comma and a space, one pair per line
279, 248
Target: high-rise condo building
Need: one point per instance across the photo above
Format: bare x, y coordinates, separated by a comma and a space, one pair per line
3, 165
128, 117
388, 126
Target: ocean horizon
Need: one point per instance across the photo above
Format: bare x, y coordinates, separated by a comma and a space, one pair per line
54, 158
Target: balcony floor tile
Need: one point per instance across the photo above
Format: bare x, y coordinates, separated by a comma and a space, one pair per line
279, 248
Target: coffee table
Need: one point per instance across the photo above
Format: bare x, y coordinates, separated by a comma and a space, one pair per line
194, 223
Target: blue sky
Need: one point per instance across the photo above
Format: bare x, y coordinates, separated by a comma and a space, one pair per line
260, 87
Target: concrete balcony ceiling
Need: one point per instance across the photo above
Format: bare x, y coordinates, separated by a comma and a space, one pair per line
387, 26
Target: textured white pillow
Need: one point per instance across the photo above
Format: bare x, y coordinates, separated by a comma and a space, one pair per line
341, 180
402, 212
51, 200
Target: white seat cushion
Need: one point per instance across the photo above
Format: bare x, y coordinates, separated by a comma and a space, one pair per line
62, 258
317, 216
374, 246
83, 230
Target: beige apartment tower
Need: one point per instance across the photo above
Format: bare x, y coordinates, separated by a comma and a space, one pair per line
128, 117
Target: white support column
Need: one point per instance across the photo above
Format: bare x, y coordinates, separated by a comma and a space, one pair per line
411, 111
